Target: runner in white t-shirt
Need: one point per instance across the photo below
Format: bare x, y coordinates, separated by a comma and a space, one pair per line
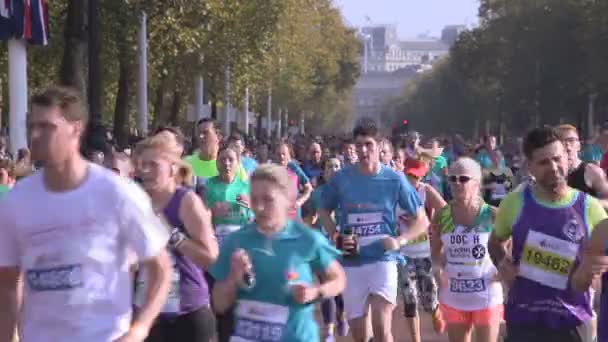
69, 229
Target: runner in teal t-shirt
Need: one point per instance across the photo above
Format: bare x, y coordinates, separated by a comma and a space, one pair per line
227, 195
267, 270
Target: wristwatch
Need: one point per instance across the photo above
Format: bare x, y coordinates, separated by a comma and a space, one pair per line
176, 238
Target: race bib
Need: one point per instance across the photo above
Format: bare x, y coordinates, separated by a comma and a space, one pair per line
365, 224
547, 260
259, 322
467, 285
172, 305
223, 230
57, 278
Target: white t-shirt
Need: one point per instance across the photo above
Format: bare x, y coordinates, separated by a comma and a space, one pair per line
73, 250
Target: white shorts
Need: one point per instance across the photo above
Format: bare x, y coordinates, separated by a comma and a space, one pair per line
380, 278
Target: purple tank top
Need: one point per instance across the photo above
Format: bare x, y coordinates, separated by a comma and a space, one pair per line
531, 303
193, 288
602, 326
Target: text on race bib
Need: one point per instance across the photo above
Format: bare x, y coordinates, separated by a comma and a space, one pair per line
257, 321
547, 260
55, 278
467, 285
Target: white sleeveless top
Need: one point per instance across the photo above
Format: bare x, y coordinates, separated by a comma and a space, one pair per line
420, 247
471, 275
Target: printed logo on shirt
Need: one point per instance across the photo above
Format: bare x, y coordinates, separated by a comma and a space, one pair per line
572, 231
55, 278
479, 252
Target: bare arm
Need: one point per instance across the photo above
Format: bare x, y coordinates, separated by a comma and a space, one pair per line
327, 221
434, 201
334, 280
9, 302
595, 251
202, 246
224, 294
598, 182
304, 195
158, 272
437, 257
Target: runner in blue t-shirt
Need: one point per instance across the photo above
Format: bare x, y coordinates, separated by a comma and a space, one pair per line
368, 194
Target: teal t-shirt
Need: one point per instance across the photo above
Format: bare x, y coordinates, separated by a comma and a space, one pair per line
216, 192
267, 311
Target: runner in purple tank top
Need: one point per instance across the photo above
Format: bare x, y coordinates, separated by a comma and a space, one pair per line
547, 224
186, 315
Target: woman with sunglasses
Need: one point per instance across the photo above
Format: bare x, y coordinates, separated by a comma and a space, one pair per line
186, 315
470, 293
332, 309
417, 284
267, 269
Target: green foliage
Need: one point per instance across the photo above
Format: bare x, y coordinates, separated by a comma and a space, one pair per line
529, 62
299, 48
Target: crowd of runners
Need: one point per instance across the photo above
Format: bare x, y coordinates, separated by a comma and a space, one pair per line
229, 238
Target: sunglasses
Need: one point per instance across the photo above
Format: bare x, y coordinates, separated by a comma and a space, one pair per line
459, 179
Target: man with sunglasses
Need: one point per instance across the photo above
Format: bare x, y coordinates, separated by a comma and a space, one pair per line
547, 224
586, 177
368, 194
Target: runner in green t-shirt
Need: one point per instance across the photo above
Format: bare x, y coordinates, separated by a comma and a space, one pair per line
203, 161
228, 196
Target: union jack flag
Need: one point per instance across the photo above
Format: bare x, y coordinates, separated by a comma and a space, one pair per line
26, 19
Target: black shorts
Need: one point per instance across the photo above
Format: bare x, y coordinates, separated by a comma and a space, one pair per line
196, 326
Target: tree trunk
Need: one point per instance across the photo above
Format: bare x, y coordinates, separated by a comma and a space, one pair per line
159, 102
72, 72
175, 107
95, 81
121, 110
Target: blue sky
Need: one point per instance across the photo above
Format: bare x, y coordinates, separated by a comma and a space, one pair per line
412, 17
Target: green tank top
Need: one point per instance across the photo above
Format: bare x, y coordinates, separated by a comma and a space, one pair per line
483, 222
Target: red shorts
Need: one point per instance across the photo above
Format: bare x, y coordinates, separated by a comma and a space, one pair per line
489, 316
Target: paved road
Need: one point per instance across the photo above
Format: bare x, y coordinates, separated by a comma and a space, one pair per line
401, 333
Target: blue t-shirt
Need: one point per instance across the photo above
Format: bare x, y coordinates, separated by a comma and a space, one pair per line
312, 171
368, 207
267, 311
249, 164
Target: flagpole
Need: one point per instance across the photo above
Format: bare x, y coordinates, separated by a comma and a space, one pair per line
17, 94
